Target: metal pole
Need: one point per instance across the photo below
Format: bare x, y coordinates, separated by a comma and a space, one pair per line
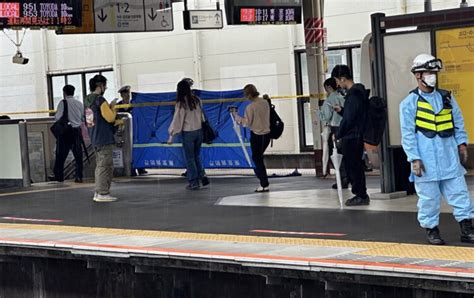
428, 7
313, 21
18, 42
463, 4
25, 154
378, 77
128, 145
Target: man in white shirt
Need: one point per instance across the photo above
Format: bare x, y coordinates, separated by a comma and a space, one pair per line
72, 138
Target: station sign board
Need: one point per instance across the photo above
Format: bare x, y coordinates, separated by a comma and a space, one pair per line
203, 19
263, 12
120, 16
40, 14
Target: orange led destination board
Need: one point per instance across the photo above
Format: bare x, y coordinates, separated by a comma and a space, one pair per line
46, 13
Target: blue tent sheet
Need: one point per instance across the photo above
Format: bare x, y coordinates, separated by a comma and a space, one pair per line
150, 132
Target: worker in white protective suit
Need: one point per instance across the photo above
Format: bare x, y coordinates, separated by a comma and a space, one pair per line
435, 142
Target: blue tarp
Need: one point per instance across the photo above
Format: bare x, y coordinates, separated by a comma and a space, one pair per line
150, 132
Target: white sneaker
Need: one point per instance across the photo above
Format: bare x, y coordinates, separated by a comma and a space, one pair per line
262, 189
104, 198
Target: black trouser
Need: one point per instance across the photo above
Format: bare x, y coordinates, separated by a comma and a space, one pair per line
259, 144
342, 169
353, 150
70, 141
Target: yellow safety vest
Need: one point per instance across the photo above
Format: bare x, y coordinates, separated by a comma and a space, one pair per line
431, 124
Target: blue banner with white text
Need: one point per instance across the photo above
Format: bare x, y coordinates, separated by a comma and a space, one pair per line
150, 132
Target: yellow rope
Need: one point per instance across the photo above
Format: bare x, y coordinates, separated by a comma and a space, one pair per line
156, 104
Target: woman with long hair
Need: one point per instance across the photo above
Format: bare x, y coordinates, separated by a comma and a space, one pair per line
257, 119
187, 121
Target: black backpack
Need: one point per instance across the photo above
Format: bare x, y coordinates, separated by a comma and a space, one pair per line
276, 124
376, 120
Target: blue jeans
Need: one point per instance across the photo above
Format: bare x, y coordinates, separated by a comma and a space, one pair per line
192, 141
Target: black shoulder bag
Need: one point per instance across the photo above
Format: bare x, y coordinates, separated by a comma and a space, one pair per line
208, 133
62, 127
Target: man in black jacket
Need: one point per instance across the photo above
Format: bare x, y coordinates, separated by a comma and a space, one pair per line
351, 132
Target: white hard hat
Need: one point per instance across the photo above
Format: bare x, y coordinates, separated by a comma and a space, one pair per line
426, 62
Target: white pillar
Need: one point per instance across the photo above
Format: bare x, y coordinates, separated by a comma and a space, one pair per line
313, 23
115, 61
199, 84
45, 69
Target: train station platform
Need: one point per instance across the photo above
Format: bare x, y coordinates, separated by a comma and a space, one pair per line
297, 228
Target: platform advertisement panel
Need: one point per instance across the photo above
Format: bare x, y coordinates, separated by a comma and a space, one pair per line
455, 47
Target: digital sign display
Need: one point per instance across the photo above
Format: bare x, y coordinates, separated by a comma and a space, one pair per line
264, 12
274, 15
46, 13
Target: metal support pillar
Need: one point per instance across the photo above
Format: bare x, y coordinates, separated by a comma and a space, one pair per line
25, 155
313, 14
428, 6
128, 145
378, 78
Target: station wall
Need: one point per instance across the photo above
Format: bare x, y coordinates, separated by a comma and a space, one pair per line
216, 60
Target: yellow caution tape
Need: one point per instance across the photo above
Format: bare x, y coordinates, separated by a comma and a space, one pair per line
25, 113
157, 104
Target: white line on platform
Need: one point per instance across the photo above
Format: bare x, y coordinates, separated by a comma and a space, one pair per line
32, 219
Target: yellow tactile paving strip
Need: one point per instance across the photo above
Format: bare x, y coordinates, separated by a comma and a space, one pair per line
198, 236
400, 250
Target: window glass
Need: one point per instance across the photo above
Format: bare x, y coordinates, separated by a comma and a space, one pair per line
335, 57
76, 81
356, 53
111, 91
58, 82
89, 76
81, 82
308, 126
304, 73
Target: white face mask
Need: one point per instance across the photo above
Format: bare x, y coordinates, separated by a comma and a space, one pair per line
430, 80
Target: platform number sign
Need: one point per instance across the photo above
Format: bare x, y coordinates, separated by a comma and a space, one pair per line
40, 14
133, 15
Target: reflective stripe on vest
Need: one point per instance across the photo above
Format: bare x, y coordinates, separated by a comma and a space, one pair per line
431, 124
